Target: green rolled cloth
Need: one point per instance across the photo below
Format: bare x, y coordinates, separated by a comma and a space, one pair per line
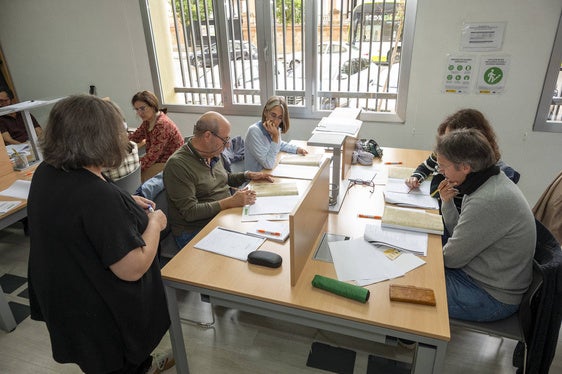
341, 288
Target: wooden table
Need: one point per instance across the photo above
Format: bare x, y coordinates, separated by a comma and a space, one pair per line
265, 291
7, 177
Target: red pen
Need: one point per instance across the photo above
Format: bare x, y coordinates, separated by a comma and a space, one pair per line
393, 163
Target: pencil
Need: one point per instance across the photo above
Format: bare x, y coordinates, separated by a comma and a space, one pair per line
434, 193
368, 216
393, 163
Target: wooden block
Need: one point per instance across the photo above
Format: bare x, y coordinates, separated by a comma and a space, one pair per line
412, 294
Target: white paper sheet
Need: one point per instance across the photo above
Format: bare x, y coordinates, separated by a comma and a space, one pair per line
230, 243
19, 189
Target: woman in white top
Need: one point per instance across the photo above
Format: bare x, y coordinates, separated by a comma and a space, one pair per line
263, 139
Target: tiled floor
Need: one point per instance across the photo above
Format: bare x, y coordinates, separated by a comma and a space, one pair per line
240, 342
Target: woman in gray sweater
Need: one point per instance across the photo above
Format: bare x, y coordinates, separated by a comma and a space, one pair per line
488, 257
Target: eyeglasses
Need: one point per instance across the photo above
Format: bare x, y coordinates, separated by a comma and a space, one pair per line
441, 169
276, 116
224, 140
140, 109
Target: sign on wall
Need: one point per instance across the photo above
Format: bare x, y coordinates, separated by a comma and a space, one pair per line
458, 74
492, 75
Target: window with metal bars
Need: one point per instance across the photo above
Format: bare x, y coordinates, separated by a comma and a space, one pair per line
318, 54
549, 111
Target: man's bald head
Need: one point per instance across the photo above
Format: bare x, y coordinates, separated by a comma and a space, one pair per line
211, 121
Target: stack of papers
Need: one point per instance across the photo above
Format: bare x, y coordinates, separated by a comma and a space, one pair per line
412, 219
404, 241
230, 243
339, 125
359, 261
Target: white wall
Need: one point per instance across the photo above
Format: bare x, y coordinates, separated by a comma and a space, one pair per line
60, 47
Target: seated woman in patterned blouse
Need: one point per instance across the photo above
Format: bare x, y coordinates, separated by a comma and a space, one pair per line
160, 133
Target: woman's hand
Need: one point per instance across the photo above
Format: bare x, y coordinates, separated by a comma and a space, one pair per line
447, 190
144, 203
412, 182
302, 151
272, 129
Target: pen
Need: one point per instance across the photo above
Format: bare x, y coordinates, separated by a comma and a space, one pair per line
368, 216
150, 209
393, 163
434, 193
268, 232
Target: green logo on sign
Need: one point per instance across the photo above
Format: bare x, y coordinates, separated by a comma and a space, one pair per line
493, 75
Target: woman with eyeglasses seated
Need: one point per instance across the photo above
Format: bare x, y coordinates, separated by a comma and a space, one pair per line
160, 133
461, 119
263, 139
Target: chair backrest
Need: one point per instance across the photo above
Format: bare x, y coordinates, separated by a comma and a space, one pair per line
528, 306
168, 246
130, 182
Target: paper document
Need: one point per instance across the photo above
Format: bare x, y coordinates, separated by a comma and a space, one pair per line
311, 159
246, 217
294, 171
230, 243
274, 230
273, 205
400, 172
399, 185
412, 219
411, 200
6, 206
405, 241
19, 189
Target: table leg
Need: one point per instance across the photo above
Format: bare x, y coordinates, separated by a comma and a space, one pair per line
176, 335
7, 321
428, 359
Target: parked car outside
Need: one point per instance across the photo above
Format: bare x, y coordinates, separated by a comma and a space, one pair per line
238, 50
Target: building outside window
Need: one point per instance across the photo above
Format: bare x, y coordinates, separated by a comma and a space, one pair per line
318, 54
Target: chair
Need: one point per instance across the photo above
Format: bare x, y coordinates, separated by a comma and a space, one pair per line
517, 327
537, 323
168, 246
548, 208
131, 181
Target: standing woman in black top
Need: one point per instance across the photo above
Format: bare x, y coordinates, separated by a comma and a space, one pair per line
93, 276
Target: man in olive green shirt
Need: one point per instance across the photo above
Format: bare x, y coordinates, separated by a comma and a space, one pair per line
197, 183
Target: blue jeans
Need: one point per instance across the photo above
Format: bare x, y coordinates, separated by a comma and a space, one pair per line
184, 238
469, 302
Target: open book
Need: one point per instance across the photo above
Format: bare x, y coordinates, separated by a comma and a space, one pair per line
412, 219
311, 159
275, 189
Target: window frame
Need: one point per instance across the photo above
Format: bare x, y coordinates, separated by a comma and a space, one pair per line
542, 123
264, 33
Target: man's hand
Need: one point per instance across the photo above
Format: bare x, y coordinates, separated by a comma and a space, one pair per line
257, 176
